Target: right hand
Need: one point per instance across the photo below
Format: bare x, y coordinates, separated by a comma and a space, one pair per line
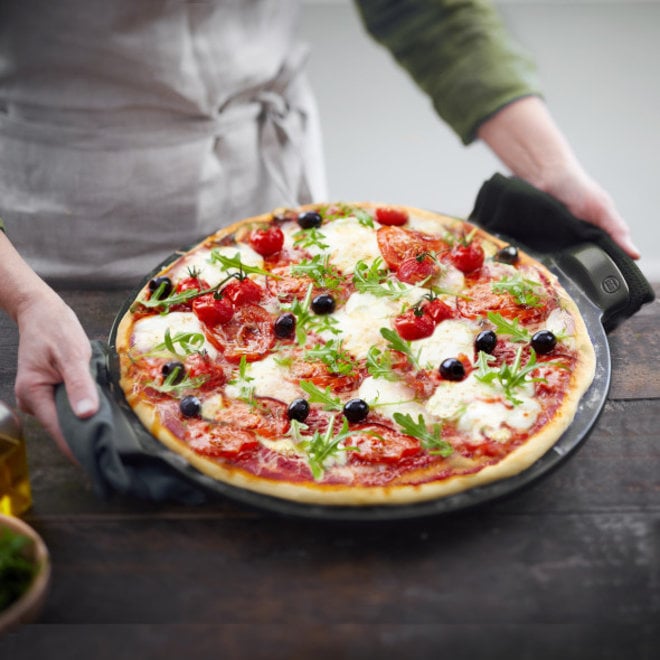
53, 348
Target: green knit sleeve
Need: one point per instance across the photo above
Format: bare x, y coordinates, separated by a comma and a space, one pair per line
458, 52
2, 225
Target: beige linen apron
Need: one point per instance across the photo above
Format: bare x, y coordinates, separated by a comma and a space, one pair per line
129, 129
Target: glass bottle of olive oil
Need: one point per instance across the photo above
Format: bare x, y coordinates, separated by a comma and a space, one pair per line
15, 493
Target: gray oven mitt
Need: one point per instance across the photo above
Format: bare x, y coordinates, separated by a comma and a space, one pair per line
117, 453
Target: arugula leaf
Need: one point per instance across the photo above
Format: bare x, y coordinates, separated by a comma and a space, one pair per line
189, 342
333, 356
312, 237
173, 299
172, 384
374, 280
245, 389
324, 397
235, 262
511, 328
320, 270
379, 364
430, 439
510, 376
396, 343
523, 290
346, 210
323, 446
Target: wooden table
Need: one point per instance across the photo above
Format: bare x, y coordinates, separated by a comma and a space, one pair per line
580, 548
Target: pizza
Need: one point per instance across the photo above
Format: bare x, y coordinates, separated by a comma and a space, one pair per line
354, 354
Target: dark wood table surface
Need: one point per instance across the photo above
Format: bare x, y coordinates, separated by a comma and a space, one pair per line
569, 568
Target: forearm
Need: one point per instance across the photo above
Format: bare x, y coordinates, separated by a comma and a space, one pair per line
21, 286
526, 139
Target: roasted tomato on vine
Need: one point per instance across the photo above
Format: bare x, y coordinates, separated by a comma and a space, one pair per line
386, 215
414, 324
438, 310
267, 241
243, 292
417, 269
467, 256
211, 310
191, 283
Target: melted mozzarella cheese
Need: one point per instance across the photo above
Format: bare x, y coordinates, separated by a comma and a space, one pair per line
269, 379
213, 272
450, 280
149, 331
389, 397
481, 410
426, 224
486, 418
348, 242
449, 339
359, 322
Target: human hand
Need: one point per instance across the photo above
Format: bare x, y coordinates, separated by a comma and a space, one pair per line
53, 348
586, 200
526, 139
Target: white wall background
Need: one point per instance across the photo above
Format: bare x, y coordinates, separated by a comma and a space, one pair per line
599, 62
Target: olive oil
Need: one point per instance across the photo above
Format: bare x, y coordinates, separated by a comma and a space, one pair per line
15, 493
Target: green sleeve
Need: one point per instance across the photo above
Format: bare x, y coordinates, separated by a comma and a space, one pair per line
458, 52
2, 225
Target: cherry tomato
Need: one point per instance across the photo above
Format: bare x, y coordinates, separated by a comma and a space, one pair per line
266, 241
212, 311
417, 269
191, 283
381, 444
397, 244
467, 258
249, 333
243, 292
412, 326
387, 215
438, 310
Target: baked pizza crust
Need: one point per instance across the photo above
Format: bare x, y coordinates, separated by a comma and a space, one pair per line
512, 464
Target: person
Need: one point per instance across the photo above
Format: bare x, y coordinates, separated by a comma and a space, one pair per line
128, 130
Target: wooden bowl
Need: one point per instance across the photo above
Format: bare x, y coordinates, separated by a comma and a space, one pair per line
28, 606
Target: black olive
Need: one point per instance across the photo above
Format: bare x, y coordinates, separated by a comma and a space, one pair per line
162, 283
544, 341
356, 410
298, 409
309, 219
486, 341
324, 303
285, 325
170, 367
507, 255
452, 369
190, 406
